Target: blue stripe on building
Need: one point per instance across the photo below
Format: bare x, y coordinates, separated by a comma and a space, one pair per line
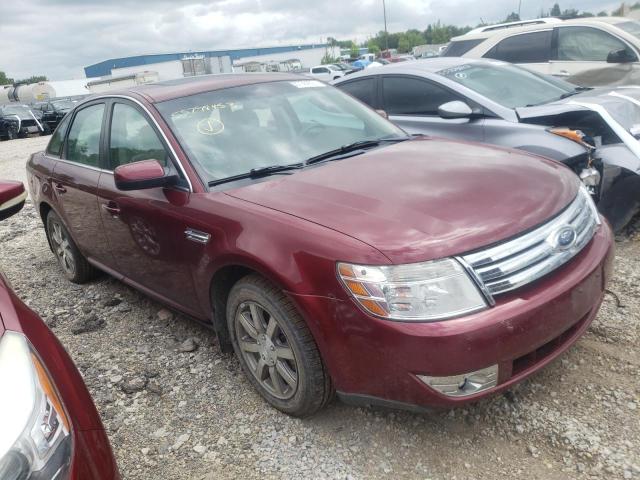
104, 68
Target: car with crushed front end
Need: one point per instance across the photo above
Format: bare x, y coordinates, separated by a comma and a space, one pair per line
593, 131
49, 426
29, 122
327, 248
53, 111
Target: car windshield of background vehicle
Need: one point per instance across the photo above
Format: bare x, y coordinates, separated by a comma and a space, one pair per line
631, 27
229, 132
63, 104
508, 85
16, 110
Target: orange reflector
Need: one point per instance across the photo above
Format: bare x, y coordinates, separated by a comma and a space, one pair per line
373, 307
357, 288
575, 135
50, 391
345, 270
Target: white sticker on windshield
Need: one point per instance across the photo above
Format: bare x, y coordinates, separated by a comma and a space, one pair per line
307, 84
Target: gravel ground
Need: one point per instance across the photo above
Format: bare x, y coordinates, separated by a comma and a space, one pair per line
175, 407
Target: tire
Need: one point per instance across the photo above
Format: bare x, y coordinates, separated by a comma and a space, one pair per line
11, 135
292, 376
621, 203
74, 265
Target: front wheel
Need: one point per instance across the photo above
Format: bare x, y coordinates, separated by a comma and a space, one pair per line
276, 349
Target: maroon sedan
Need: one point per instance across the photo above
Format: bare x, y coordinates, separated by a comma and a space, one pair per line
328, 248
49, 427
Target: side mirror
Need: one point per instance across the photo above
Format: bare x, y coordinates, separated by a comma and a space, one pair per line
382, 113
624, 55
455, 109
12, 197
142, 175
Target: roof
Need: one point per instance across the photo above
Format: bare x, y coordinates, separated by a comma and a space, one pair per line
505, 32
183, 87
103, 68
427, 65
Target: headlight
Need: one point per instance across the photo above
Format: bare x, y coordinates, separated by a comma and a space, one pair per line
35, 441
577, 136
415, 292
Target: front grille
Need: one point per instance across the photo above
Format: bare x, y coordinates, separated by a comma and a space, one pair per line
524, 259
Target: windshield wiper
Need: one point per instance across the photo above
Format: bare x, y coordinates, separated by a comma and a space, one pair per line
352, 148
257, 173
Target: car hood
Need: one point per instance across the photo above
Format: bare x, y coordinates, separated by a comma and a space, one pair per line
423, 199
623, 104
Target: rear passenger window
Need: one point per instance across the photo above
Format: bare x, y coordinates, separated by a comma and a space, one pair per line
83, 142
363, 89
532, 47
55, 144
132, 138
412, 96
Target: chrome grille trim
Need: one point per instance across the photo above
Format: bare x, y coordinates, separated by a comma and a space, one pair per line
524, 259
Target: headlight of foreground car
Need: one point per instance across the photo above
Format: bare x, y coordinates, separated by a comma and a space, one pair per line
35, 441
427, 291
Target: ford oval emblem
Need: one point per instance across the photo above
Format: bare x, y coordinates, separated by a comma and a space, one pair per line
565, 238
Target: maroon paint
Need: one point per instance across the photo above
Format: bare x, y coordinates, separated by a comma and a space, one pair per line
134, 172
415, 201
90, 459
10, 190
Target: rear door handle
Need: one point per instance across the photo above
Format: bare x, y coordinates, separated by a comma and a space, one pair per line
59, 188
112, 208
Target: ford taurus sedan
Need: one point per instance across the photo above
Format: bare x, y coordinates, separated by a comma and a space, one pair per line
49, 427
593, 131
329, 249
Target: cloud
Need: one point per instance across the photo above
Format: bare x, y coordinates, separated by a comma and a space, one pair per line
58, 38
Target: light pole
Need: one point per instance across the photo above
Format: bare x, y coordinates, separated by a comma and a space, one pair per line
519, 7
386, 34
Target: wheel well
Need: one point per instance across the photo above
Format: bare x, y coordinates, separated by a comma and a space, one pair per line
221, 284
45, 208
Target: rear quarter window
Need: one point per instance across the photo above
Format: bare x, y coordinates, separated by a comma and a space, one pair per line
460, 47
57, 139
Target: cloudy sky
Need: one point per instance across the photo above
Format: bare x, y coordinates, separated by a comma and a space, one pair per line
59, 37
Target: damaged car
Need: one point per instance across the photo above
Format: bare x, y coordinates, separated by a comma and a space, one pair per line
8, 128
593, 131
29, 122
53, 111
326, 247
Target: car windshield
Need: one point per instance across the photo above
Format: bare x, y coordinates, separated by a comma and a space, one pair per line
509, 85
63, 104
232, 131
15, 110
631, 27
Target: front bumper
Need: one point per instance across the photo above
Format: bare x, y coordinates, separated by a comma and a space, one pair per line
377, 361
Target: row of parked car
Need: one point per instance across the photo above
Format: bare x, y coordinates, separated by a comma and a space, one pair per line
39, 118
334, 248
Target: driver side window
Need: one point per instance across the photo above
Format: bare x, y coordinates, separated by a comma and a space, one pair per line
132, 138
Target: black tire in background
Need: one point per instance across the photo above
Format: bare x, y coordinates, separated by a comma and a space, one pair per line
281, 342
74, 265
621, 203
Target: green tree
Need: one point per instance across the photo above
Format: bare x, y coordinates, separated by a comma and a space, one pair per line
355, 51
603, 13
33, 79
4, 80
555, 10
512, 17
373, 47
327, 59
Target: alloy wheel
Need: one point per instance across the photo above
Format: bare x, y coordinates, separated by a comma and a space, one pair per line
266, 350
62, 247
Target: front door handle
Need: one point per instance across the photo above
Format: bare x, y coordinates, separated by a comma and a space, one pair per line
59, 188
112, 208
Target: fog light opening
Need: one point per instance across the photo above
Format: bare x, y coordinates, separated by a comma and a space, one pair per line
464, 384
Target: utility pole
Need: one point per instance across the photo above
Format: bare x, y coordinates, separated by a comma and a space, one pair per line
519, 7
386, 34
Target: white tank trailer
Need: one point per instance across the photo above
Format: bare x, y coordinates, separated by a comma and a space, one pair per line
35, 92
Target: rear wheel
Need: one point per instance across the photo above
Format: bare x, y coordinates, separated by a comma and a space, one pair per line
74, 265
276, 349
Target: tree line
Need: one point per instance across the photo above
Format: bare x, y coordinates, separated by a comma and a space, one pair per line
4, 80
439, 33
